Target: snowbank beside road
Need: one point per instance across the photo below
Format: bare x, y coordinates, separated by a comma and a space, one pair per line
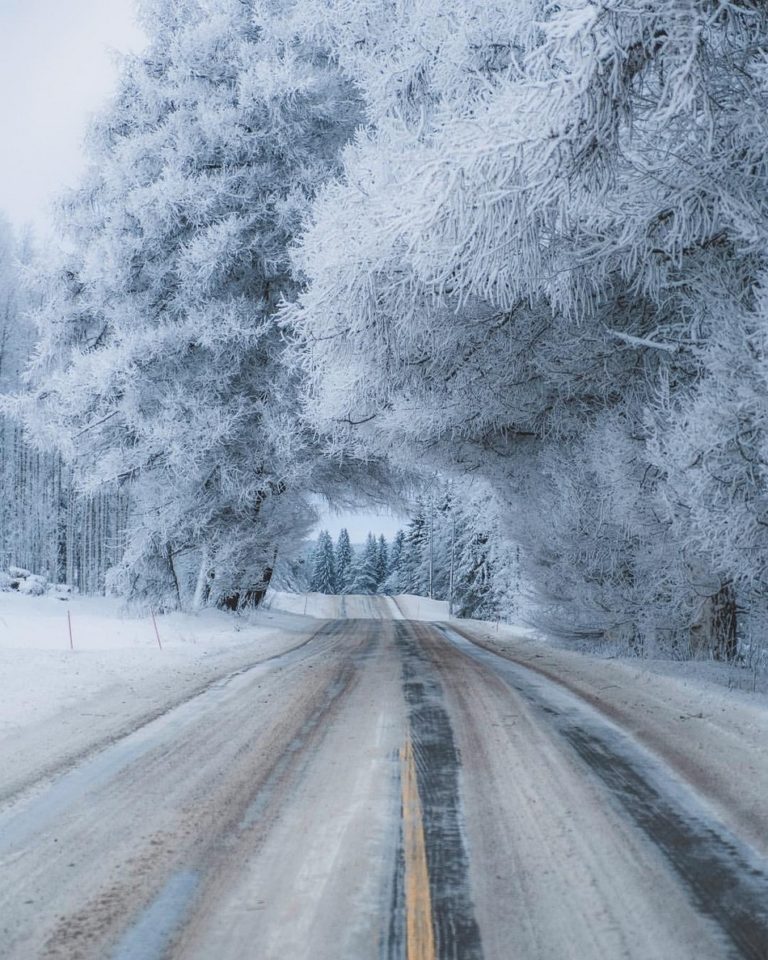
320, 605
334, 606
421, 608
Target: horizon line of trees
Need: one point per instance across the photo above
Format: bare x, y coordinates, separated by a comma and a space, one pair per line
450, 549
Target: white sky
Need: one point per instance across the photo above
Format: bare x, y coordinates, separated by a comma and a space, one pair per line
360, 524
56, 68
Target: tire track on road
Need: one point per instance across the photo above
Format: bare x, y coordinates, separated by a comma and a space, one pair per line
725, 879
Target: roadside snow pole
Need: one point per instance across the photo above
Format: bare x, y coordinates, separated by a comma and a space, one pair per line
69, 623
306, 597
157, 632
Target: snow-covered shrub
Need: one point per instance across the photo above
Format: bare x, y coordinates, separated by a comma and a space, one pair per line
23, 581
33, 585
63, 591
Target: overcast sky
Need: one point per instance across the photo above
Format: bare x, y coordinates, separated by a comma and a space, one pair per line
359, 525
56, 67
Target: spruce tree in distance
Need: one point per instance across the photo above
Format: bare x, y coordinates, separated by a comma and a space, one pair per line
382, 561
344, 558
324, 569
366, 568
393, 583
415, 553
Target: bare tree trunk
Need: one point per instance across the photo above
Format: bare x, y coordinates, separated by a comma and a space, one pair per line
715, 632
453, 562
723, 613
431, 543
172, 568
202, 589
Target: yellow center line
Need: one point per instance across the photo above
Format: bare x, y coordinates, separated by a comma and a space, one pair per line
420, 936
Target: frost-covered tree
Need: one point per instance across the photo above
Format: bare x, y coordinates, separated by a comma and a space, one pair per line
475, 564
46, 524
414, 564
534, 250
344, 561
160, 367
382, 560
366, 568
324, 575
393, 583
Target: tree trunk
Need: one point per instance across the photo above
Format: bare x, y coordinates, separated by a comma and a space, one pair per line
723, 614
715, 632
203, 587
253, 596
172, 568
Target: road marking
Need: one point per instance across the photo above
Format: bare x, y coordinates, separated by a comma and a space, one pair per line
420, 936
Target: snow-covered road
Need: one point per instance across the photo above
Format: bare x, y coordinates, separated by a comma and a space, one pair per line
380, 788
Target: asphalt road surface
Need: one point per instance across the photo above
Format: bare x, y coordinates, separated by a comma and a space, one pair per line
387, 789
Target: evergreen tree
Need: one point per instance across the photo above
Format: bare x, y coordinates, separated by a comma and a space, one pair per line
473, 588
382, 561
344, 558
393, 582
324, 566
366, 568
415, 555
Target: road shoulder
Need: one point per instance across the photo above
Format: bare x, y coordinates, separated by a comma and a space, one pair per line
713, 738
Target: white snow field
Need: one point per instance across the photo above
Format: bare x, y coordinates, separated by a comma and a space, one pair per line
56, 703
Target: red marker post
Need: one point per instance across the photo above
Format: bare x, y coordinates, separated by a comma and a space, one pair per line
157, 632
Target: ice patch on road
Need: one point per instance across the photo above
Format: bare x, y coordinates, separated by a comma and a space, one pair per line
150, 936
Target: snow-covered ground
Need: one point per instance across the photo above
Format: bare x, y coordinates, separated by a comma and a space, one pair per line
421, 608
56, 703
